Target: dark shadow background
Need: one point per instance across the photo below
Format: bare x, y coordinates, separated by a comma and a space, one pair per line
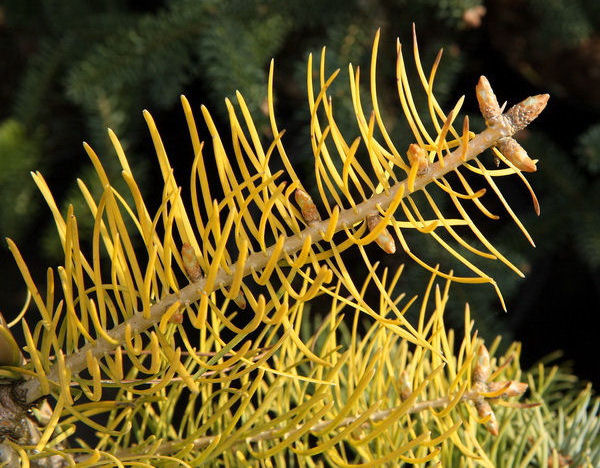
70, 69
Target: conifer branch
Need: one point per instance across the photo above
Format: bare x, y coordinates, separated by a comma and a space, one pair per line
239, 366
200, 443
500, 127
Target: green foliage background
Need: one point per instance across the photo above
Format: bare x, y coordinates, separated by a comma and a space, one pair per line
73, 68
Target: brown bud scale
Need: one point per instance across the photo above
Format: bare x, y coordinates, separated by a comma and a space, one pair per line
488, 104
417, 155
526, 111
190, 262
307, 206
484, 410
482, 368
515, 153
515, 389
384, 239
177, 318
405, 385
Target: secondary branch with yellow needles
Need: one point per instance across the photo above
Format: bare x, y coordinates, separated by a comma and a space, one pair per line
482, 393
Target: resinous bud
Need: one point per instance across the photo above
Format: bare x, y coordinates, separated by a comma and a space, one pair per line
405, 385
484, 410
488, 104
384, 239
190, 262
526, 111
307, 206
417, 155
514, 389
482, 368
515, 153
177, 318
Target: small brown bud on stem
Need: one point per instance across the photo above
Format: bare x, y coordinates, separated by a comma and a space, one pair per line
405, 385
515, 153
307, 206
522, 114
484, 410
384, 239
177, 317
514, 389
190, 262
488, 104
482, 369
417, 155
